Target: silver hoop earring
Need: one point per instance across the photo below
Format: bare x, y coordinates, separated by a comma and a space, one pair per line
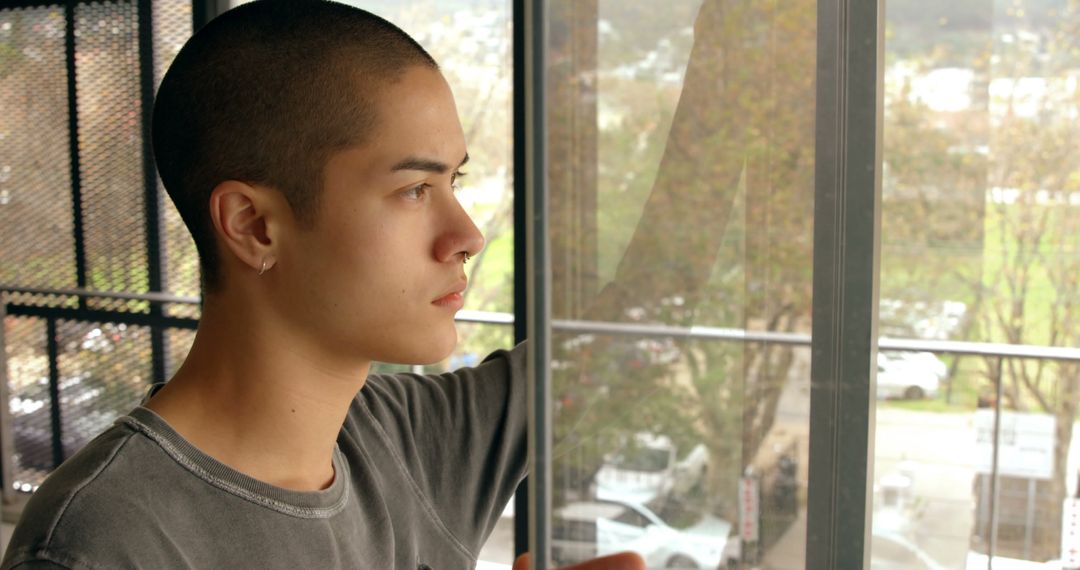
263, 268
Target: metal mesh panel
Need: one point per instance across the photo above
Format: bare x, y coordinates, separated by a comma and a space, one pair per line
181, 261
110, 145
36, 236
172, 27
103, 369
179, 343
28, 383
104, 373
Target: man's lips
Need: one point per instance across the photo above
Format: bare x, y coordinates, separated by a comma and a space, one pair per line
452, 298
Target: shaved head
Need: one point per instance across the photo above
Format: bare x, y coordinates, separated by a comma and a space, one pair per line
264, 94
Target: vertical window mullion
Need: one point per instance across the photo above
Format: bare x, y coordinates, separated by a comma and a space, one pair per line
7, 440
847, 214
73, 150
155, 258
538, 276
521, 497
55, 411
202, 11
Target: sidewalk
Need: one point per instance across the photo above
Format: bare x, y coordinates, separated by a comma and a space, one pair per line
789, 553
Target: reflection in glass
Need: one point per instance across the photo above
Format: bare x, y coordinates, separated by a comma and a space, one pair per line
681, 179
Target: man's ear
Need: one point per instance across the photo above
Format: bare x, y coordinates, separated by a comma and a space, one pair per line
246, 219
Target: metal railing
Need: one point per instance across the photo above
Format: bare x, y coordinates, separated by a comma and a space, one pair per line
988, 349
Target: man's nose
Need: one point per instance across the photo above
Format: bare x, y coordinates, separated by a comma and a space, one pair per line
461, 238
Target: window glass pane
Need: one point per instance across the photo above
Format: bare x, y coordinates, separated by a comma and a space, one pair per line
681, 165
979, 243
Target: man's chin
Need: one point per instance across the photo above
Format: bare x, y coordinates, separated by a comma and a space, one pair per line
433, 352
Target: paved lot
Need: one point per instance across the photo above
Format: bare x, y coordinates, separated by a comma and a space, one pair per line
937, 451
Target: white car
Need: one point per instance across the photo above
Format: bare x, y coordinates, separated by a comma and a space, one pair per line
913, 376
890, 551
588, 529
649, 468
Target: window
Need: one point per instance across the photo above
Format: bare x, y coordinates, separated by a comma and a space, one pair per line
681, 157
712, 211
978, 236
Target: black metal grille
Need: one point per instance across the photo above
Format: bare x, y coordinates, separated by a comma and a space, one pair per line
179, 342
36, 233
104, 372
110, 149
81, 209
28, 384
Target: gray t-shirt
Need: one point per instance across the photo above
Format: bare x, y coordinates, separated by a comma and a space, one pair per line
424, 466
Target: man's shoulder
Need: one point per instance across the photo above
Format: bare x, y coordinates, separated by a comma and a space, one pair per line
408, 397
111, 492
90, 499
502, 364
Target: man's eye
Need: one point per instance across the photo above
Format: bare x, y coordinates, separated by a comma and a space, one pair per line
416, 192
455, 180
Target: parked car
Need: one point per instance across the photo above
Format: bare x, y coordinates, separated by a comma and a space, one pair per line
665, 533
911, 377
648, 467
890, 551
925, 360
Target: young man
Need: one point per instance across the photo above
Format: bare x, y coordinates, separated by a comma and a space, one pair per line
312, 150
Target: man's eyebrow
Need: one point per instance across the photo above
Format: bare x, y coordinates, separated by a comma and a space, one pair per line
426, 164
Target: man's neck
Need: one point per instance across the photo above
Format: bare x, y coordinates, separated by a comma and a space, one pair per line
258, 399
